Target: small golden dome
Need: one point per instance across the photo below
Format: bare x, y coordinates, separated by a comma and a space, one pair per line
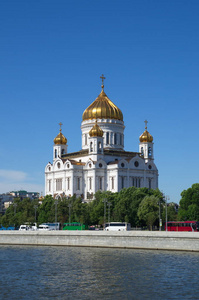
146, 137
102, 108
60, 138
96, 131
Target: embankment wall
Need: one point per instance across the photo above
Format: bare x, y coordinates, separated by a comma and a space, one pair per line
181, 241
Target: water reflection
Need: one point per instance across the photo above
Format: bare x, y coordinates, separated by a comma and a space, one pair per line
94, 273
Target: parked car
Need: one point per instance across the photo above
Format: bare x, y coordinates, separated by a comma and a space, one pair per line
44, 227
24, 227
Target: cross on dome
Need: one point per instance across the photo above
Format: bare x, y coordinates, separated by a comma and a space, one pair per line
145, 124
102, 77
60, 124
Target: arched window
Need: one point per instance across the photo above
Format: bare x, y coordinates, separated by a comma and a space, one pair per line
63, 151
99, 147
122, 181
142, 151
149, 183
107, 137
55, 153
100, 183
115, 138
90, 183
85, 139
78, 183
150, 152
91, 147
112, 183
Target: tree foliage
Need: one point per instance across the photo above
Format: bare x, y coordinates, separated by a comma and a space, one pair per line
122, 206
189, 204
148, 210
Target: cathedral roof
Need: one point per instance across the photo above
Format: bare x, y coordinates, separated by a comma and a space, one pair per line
96, 131
102, 108
146, 137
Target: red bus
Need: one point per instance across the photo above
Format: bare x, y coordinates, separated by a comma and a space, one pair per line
182, 226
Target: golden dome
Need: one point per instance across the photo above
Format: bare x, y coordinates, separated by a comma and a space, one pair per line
146, 137
96, 131
60, 138
102, 108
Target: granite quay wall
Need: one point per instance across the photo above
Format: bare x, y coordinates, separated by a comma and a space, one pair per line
187, 241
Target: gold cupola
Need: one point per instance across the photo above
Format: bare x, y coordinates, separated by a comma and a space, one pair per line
146, 137
102, 108
96, 131
60, 138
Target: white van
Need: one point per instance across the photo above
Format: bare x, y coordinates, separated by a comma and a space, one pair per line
118, 226
44, 227
24, 227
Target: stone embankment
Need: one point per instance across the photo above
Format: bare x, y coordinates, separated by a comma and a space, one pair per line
154, 240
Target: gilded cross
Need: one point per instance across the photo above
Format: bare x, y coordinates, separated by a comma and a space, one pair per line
145, 124
60, 124
102, 77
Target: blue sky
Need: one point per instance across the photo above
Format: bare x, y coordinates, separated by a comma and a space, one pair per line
52, 55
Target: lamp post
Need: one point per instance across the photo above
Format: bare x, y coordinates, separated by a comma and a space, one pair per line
69, 206
56, 202
167, 198
109, 204
35, 207
15, 208
160, 221
105, 201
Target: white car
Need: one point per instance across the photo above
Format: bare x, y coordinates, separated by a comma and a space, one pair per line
24, 227
44, 227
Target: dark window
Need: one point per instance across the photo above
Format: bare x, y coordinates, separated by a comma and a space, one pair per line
150, 152
136, 163
107, 137
91, 147
115, 138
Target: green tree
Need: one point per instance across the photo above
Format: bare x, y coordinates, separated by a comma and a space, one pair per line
189, 204
148, 210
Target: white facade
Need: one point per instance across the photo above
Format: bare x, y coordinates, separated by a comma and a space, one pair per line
102, 164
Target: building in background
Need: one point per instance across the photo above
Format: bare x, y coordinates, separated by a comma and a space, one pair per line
7, 199
102, 163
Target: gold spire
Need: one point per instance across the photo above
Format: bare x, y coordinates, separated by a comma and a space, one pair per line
146, 137
60, 138
102, 108
96, 131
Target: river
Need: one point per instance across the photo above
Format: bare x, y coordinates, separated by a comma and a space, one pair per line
96, 273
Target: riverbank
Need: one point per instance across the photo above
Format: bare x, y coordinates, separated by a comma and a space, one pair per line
151, 240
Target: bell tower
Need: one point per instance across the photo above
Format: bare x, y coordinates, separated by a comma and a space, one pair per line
60, 144
146, 144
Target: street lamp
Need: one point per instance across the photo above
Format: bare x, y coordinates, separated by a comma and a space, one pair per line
35, 207
56, 202
160, 221
167, 198
109, 204
69, 206
105, 201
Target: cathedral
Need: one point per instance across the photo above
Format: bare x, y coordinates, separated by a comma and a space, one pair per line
102, 163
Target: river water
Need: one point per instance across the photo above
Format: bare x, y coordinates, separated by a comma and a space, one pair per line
94, 273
